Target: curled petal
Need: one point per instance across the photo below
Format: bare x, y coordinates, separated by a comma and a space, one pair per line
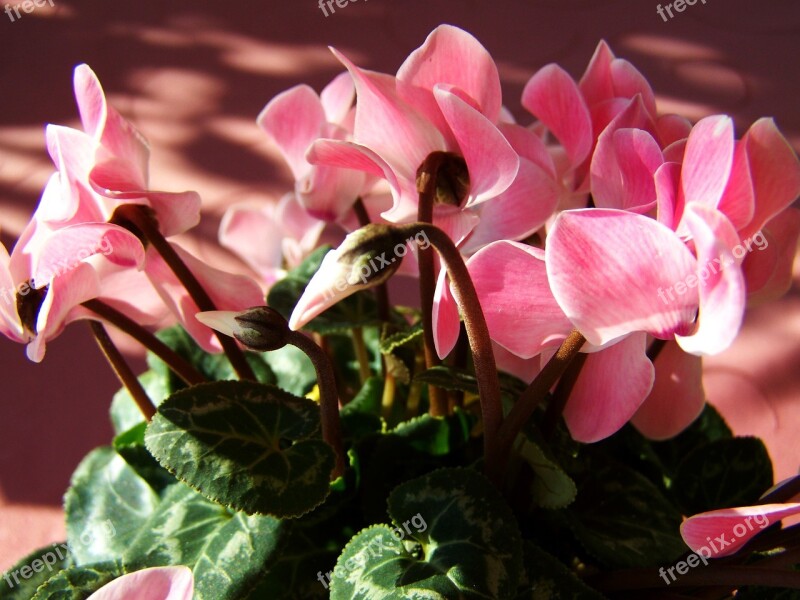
738, 199
768, 271
708, 160
337, 98
446, 323
720, 281
719, 533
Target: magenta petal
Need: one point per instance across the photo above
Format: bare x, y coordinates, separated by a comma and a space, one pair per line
720, 281
667, 180
596, 84
156, 583
677, 397
719, 533
612, 385
775, 170
441, 59
623, 168
528, 145
512, 287
610, 271
293, 119
337, 98
446, 322
552, 96
491, 161
519, 211
628, 82
708, 160
672, 128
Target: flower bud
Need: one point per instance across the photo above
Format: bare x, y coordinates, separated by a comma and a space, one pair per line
260, 328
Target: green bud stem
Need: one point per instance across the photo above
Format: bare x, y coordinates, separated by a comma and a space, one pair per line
141, 218
479, 341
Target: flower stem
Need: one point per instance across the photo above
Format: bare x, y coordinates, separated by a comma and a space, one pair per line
479, 341
536, 392
179, 365
426, 188
328, 396
142, 218
360, 349
122, 370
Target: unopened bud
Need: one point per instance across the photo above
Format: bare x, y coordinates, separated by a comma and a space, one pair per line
260, 328
368, 253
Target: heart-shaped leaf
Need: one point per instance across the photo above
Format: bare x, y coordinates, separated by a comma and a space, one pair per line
249, 446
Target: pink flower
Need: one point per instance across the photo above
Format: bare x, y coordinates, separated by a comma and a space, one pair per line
296, 118
156, 583
719, 533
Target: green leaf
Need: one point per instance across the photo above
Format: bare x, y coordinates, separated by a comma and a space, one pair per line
293, 370
21, 581
623, 520
723, 474
354, 311
551, 487
361, 416
106, 506
437, 436
390, 343
124, 413
130, 446
547, 578
449, 378
249, 446
78, 583
227, 551
454, 537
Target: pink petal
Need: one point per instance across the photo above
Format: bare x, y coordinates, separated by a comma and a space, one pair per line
337, 98
623, 168
327, 193
528, 145
768, 271
738, 199
677, 397
596, 84
491, 161
525, 369
719, 277
519, 211
775, 171
293, 120
441, 59
612, 385
455, 222
66, 248
379, 110
301, 231
156, 583
552, 96
227, 291
255, 236
719, 533
65, 293
177, 212
608, 270
667, 180
105, 124
10, 325
446, 322
672, 128
513, 290
628, 82
708, 160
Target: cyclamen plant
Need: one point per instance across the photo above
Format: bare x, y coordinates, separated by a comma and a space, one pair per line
531, 424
